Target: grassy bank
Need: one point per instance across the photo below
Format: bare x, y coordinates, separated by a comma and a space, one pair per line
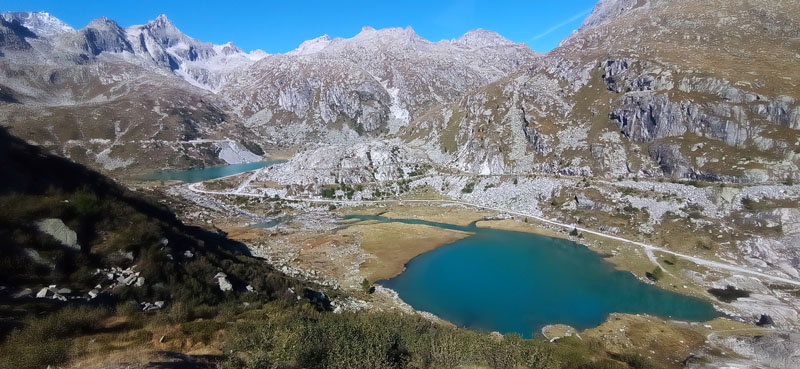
277, 335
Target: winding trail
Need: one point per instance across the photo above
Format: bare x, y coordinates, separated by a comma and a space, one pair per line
646, 247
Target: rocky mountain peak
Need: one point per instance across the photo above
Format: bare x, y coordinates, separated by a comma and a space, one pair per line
162, 22
606, 10
481, 38
41, 23
389, 34
164, 31
312, 46
103, 23
228, 49
104, 35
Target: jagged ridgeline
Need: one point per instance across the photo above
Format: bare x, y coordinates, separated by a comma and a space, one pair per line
647, 88
149, 97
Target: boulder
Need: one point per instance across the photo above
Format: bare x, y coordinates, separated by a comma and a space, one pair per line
584, 202
765, 321
58, 230
224, 283
725, 195
42, 293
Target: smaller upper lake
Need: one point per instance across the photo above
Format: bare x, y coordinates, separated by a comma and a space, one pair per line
515, 282
204, 174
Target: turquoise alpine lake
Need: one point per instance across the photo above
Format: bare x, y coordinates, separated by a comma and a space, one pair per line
204, 174
515, 282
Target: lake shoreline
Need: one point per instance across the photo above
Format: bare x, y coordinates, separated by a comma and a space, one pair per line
526, 280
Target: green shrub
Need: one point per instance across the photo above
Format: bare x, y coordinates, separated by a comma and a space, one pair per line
328, 193
366, 286
656, 274
695, 215
468, 188
749, 204
698, 183
378, 340
47, 340
636, 361
86, 203
178, 313
728, 294
630, 209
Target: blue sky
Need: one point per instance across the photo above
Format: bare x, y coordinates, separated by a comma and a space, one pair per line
280, 26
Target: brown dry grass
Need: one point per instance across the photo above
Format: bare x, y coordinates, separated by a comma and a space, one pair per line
391, 245
667, 342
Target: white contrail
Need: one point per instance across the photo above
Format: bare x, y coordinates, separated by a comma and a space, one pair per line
562, 24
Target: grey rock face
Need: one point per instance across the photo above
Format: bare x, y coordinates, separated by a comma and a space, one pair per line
13, 34
56, 228
375, 82
628, 75
375, 161
778, 350
646, 116
607, 10
104, 35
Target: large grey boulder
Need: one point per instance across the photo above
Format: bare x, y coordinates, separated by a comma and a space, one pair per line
224, 283
58, 230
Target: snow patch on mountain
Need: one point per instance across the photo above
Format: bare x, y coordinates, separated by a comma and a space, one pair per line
399, 116
43, 24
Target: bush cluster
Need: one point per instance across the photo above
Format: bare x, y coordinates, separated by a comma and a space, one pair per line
44, 341
379, 340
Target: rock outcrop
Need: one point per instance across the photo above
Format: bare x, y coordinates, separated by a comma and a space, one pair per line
372, 162
374, 83
58, 230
